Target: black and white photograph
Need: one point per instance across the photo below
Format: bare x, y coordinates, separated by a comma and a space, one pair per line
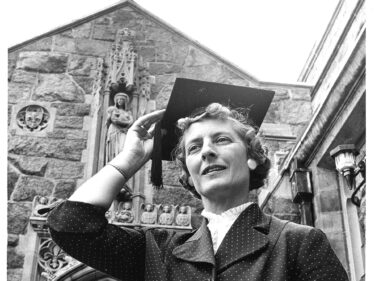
185, 140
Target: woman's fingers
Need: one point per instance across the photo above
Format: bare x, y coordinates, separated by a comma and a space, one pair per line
144, 122
152, 130
144, 126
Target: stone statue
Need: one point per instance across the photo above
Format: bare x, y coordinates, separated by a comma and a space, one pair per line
119, 119
166, 217
183, 216
149, 214
125, 212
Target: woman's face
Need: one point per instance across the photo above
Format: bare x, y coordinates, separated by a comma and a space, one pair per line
216, 159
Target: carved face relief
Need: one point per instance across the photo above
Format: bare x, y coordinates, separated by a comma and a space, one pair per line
127, 205
120, 101
149, 208
166, 209
32, 118
183, 210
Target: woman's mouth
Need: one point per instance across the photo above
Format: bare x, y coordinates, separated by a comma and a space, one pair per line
212, 168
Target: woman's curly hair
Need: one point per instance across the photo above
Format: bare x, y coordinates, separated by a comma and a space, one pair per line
246, 131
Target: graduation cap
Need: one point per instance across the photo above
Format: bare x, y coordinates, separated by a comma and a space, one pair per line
187, 96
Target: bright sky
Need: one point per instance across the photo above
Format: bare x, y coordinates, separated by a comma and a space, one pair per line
269, 39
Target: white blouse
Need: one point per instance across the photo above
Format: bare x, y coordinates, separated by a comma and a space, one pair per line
219, 225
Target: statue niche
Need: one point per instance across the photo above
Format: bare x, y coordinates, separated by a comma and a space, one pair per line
121, 91
126, 97
119, 119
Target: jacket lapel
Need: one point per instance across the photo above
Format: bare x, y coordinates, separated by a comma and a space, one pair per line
247, 236
198, 248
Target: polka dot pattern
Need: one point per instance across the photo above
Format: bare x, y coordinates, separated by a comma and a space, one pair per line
256, 247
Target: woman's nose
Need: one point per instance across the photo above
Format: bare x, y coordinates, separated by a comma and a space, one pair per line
208, 151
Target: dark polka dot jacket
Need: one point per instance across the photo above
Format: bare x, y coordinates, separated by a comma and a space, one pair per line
257, 247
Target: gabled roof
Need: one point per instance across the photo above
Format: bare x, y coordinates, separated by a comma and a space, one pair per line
168, 27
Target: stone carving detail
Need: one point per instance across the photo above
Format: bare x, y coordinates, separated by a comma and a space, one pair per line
38, 221
120, 86
51, 257
183, 217
124, 212
121, 214
128, 84
166, 215
123, 59
53, 261
123, 63
119, 119
149, 214
39, 202
32, 118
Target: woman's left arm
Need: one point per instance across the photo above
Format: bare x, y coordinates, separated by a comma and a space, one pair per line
316, 260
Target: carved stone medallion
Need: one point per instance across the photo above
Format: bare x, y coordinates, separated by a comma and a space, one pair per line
33, 118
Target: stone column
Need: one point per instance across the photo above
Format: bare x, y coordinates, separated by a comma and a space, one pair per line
101, 158
329, 213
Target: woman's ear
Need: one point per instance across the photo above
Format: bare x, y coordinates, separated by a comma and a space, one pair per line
252, 164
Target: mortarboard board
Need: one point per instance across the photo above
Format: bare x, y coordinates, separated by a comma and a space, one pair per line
187, 96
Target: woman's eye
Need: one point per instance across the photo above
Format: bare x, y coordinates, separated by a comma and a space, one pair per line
192, 148
222, 140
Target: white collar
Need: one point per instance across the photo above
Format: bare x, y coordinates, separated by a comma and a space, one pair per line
219, 225
230, 214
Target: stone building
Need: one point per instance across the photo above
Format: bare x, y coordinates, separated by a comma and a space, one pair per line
62, 83
308, 174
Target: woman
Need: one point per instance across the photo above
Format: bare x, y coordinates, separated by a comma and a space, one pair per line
221, 158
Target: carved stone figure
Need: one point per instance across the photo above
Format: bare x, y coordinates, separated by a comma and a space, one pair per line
119, 119
183, 216
166, 217
40, 202
149, 215
32, 118
125, 212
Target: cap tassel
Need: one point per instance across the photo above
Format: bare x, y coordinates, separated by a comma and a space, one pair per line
156, 165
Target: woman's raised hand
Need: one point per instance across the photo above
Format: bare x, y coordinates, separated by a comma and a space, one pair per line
103, 187
139, 139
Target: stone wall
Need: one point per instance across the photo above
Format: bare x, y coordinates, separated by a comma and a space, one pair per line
44, 162
281, 205
63, 72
